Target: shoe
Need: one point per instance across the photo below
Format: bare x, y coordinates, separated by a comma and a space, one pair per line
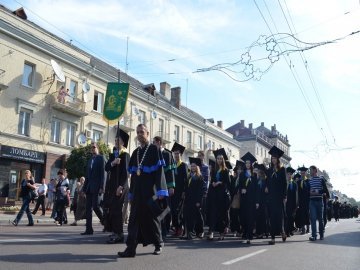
14, 223
34, 213
321, 237
58, 224
272, 242
87, 233
115, 240
126, 254
157, 250
283, 236
248, 242
73, 224
211, 236
311, 238
30, 224
221, 237
200, 235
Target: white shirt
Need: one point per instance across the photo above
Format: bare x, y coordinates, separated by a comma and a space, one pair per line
42, 189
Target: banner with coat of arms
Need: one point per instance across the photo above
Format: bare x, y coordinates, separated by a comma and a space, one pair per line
115, 101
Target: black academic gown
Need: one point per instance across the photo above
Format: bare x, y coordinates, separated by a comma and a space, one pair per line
234, 212
302, 214
277, 193
247, 203
117, 176
219, 201
262, 213
144, 225
192, 213
291, 206
180, 180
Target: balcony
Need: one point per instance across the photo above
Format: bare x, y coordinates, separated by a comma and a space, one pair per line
165, 136
75, 107
191, 148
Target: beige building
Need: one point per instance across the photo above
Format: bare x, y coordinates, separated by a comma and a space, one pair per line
39, 127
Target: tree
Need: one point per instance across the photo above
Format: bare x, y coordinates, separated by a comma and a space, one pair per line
77, 161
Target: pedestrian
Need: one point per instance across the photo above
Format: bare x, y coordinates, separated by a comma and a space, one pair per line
50, 194
42, 191
61, 197
147, 188
117, 169
291, 202
234, 211
27, 189
94, 187
205, 172
277, 194
194, 223
317, 188
303, 219
79, 202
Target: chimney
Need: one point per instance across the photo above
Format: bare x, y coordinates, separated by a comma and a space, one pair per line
250, 126
220, 124
273, 128
242, 123
165, 90
262, 124
176, 97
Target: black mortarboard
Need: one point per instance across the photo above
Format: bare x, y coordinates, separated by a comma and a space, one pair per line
178, 147
123, 135
302, 169
197, 161
261, 167
221, 152
228, 164
248, 156
297, 176
240, 164
276, 152
290, 170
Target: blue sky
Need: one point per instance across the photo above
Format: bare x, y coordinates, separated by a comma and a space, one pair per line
312, 97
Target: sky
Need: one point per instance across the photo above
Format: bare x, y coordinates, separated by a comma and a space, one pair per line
285, 62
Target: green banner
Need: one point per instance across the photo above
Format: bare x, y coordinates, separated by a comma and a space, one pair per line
115, 100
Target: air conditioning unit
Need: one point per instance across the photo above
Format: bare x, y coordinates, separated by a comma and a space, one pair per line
88, 133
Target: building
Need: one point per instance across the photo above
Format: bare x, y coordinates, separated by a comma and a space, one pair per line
52, 96
258, 141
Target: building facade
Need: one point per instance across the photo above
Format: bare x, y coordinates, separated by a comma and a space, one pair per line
52, 96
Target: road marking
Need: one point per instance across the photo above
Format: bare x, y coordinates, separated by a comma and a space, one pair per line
244, 257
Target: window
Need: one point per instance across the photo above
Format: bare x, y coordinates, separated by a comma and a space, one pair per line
70, 135
141, 117
24, 122
72, 91
261, 151
55, 131
188, 136
28, 75
97, 135
161, 126
199, 142
176, 133
98, 102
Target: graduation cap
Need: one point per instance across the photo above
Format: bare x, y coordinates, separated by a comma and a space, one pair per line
240, 164
178, 147
123, 135
197, 161
228, 164
290, 170
261, 167
276, 152
221, 152
297, 176
302, 169
248, 156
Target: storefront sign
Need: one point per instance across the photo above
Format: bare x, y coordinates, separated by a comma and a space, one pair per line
22, 154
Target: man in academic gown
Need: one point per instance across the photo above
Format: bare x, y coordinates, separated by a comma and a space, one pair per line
147, 188
291, 202
304, 199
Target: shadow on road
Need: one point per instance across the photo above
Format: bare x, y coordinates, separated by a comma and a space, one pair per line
58, 258
350, 239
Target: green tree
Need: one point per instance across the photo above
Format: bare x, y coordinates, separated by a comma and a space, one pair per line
77, 161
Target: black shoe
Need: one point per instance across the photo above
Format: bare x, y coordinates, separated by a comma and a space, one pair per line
14, 223
34, 213
157, 251
248, 242
283, 236
312, 238
86, 233
321, 237
272, 242
115, 240
126, 254
30, 224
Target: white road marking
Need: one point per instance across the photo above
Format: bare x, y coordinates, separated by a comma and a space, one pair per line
244, 257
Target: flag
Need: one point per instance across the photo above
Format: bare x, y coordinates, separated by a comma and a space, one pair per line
115, 100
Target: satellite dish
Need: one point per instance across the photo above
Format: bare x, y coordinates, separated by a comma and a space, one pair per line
57, 70
86, 87
81, 139
153, 114
135, 110
85, 97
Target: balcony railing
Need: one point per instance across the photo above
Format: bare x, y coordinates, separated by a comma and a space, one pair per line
75, 107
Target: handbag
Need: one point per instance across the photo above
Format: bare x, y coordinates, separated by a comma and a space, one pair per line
33, 194
235, 204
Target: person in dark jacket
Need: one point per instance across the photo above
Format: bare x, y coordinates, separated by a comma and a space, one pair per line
117, 169
291, 202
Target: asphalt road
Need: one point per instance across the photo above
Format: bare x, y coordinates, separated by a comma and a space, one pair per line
46, 246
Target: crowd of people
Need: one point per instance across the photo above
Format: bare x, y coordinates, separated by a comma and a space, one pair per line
167, 197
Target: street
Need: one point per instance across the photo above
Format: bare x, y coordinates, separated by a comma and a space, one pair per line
46, 246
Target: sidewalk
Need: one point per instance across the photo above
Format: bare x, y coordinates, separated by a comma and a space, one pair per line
6, 219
